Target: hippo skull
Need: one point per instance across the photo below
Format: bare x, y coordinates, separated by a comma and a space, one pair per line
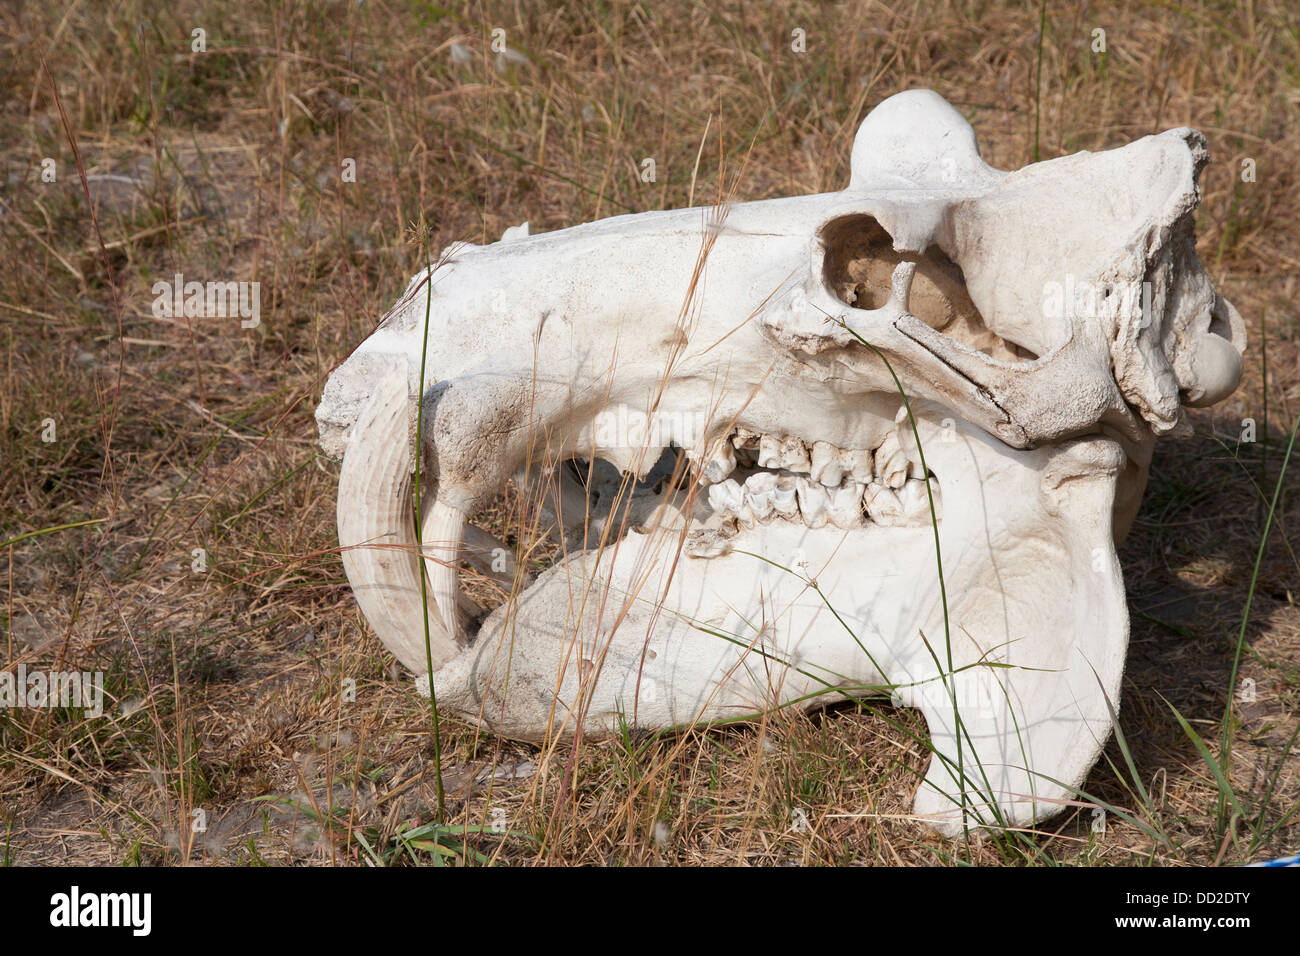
877, 441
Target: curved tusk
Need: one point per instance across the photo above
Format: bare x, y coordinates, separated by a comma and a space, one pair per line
376, 524
442, 534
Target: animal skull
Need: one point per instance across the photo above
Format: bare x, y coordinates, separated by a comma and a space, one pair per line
816, 535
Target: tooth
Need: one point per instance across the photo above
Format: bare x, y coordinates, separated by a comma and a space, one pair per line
896, 470
858, 461
916, 503
726, 497
794, 454
746, 444
846, 506
883, 505
812, 502
891, 464
883, 453
758, 494
769, 452
784, 501
906, 438
444, 525
826, 466
722, 462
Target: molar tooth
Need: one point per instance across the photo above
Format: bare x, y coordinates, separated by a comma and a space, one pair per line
760, 507
769, 452
758, 495
746, 444
883, 505
721, 461
794, 454
846, 506
886, 449
859, 462
826, 466
891, 463
784, 501
906, 438
726, 497
812, 502
896, 470
916, 505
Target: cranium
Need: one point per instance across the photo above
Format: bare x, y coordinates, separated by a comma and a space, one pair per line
911, 420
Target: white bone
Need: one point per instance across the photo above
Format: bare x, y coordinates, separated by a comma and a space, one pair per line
377, 529
1046, 325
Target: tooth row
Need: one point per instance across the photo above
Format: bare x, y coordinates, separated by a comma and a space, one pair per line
892, 466
765, 497
824, 463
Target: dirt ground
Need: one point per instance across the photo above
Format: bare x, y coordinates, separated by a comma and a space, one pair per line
166, 517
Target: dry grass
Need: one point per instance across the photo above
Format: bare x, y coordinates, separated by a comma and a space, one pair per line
175, 434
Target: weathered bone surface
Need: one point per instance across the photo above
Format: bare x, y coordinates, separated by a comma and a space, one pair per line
815, 539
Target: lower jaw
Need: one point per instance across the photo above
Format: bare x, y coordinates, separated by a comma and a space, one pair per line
635, 634
1027, 647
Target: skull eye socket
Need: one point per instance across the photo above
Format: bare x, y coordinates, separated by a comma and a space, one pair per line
860, 260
